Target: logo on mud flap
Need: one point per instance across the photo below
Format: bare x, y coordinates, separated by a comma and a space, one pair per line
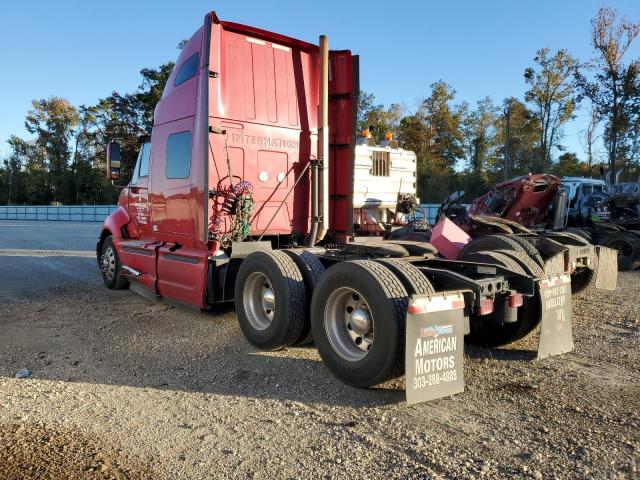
434, 354
436, 330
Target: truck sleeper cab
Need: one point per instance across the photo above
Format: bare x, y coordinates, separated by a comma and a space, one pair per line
251, 190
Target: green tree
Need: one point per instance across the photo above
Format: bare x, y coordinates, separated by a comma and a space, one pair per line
12, 180
52, 121
480, 129
374, 116
31, 156
65, 161
435, 133
123, 117
366, 105
569, 165
614, 88
552, 92
482, 145
149, 92
524, 134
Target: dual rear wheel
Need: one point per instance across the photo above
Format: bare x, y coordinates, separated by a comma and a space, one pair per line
356, 312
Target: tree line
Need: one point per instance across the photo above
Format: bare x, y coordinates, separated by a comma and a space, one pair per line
458, 146
65, 161
471, 147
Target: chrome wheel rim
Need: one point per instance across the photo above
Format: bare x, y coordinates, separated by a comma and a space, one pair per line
109, 263
349, 324
259, 300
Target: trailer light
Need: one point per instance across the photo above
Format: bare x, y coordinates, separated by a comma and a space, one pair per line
485, 307
435, 304
457, 304
516, 300
416, 308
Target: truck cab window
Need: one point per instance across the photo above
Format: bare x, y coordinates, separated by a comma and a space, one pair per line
188, 69
136, 170
142, 164
144, 160
178, 155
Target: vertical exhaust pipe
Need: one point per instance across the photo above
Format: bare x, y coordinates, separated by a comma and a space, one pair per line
320, 167
323, 140
618, 174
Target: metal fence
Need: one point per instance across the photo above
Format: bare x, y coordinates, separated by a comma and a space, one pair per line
97, 213
70, 213
430, 210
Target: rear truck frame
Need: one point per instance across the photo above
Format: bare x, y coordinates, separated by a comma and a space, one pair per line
253, 189
529, 214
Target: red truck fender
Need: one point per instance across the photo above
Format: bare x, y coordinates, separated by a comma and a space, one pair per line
113, 226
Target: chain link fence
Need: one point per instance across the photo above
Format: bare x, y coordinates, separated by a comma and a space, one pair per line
70, 213
97, 213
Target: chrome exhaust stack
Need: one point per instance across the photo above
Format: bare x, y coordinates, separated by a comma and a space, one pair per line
323, 141
320, 166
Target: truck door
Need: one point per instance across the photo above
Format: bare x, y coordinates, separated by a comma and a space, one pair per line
138, 252
171, 217
139, 195
181, 266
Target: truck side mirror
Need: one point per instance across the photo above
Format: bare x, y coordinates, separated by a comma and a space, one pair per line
113, 160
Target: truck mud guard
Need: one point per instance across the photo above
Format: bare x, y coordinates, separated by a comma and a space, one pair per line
556, 332
434, 351
607, 268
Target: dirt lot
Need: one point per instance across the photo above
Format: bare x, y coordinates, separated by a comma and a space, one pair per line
123, 388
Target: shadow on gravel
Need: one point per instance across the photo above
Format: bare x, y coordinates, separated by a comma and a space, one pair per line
473, 351
46, 452
162, 347
243, 373
66, 326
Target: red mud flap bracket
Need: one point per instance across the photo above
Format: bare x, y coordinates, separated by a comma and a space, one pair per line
435, 346
556, 334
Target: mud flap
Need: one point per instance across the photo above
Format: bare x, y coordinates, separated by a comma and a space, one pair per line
556, 333
607, 269
435, 346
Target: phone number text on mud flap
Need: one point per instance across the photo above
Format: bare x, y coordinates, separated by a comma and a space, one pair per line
438, 369
555, 299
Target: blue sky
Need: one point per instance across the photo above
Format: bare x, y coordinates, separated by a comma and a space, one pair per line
83, 50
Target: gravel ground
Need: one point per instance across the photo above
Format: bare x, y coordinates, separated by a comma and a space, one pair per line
122, 388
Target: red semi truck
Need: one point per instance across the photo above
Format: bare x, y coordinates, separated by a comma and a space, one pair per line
255, 188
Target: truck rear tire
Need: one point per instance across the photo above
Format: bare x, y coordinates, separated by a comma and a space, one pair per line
530, 266
581, 232
270, 299
502, 242
110, 266
572, 238
412, 279
495, 257
311, 268
628, 246
358, 315
527, 247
